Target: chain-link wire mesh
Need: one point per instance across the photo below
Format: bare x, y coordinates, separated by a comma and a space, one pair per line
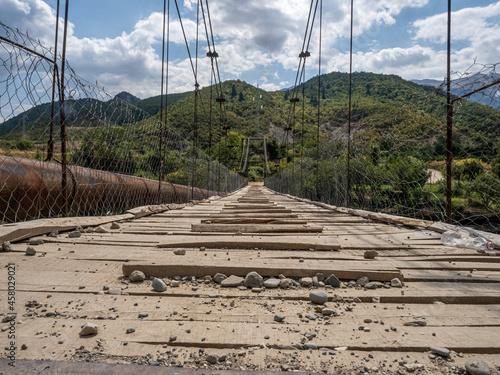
115, 152
397, 162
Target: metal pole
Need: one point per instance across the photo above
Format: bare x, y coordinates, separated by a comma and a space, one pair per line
348, 187
64, 167
449, 122
160, 146
50, 144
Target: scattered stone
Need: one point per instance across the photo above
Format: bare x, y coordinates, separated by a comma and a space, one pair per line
30, 251
172, 338
367, 321
333, 281
7, 246
327, 311
253, 280
175, 283
137, 276
180, 252
115, 225
130, 330
54, 233
256, 290
100, 230
306, 281
279, 318
311, 316
418, 321
24, 347
115, 292
159, 285
396, 283
272, 283
310, 345
477, 367
371, 285
219, 277
143, 315
285, 283
88, 329
152, 362
440, 351
202, 248
232, 281
74, 234
370, 254
363, 281
315, 281
318, 297
320, 276
212, 359
35, 241
9, 318
301, 260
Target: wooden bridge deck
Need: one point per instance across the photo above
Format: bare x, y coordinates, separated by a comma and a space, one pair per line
199, 324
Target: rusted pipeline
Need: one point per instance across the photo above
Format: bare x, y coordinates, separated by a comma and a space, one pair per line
32, 189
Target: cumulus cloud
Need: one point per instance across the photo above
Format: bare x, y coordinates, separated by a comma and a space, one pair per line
261, 37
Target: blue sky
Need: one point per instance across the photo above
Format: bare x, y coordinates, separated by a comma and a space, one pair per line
118, 42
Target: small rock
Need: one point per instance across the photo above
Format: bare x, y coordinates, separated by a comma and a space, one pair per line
7, 246
363, 281
202, 248
159, 285
136, 276
396, 283
212, 359
143, 315
256, 290
88, 329
477, 367
371, 285
440, 351
130, 330
30, 251
320, 276
285, 283
172, 338
35, 241
253, 280
9, 318
279, 318
100, 230
327, 311
301, 260
306, 281
311, 316
74, 234
310, 345
152, 362
272, 283
115, 292
115, 225
333, 281
370, 254
318, 297
54, 233
232, 281
219, 277
175, 283
180, 252
418, 321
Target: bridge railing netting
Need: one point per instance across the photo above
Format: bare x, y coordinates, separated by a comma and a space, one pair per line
116, 153
396, 163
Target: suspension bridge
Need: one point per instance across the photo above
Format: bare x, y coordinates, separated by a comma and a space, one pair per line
127, 242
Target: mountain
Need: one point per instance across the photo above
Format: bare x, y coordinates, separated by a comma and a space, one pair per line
127, 97
465, 85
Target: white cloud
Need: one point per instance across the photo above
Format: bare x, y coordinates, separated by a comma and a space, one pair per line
263, 37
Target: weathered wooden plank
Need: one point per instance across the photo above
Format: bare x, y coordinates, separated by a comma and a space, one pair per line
255, 228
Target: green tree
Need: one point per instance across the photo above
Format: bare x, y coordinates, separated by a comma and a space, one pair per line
233, 91
241, 97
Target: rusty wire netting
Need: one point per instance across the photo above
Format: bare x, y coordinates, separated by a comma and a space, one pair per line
397, 162
113, 148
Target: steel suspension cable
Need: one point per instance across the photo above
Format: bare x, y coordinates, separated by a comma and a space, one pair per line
160, 172
348, 185
319, 97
